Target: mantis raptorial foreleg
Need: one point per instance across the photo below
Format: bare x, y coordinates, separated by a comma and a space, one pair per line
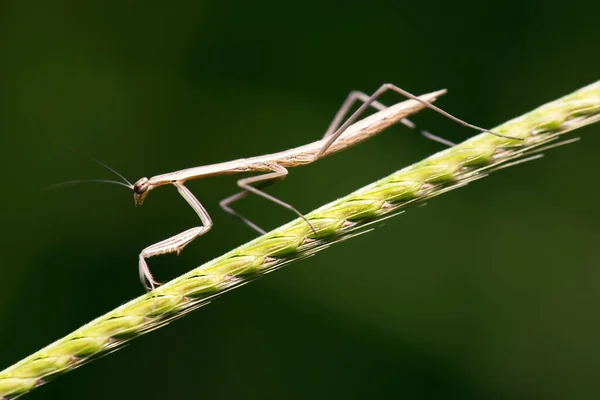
175, 243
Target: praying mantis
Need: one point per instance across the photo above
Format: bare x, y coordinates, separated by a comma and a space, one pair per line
341, 134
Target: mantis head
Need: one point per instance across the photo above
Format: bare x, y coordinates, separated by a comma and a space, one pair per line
140, 191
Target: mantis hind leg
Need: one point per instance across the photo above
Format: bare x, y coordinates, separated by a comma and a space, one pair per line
352, 98
336, 127
332, 137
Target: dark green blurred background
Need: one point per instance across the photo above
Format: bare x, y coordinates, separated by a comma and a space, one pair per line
488, 292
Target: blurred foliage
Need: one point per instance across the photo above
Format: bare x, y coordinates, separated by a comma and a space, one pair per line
494, 295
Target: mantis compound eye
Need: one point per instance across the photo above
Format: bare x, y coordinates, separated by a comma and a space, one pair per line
141, 186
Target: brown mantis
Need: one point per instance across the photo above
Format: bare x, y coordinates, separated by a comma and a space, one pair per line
338, 136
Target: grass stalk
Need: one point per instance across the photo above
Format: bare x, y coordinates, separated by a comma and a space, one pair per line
454, 167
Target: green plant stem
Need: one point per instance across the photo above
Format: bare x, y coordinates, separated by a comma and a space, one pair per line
437, 174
